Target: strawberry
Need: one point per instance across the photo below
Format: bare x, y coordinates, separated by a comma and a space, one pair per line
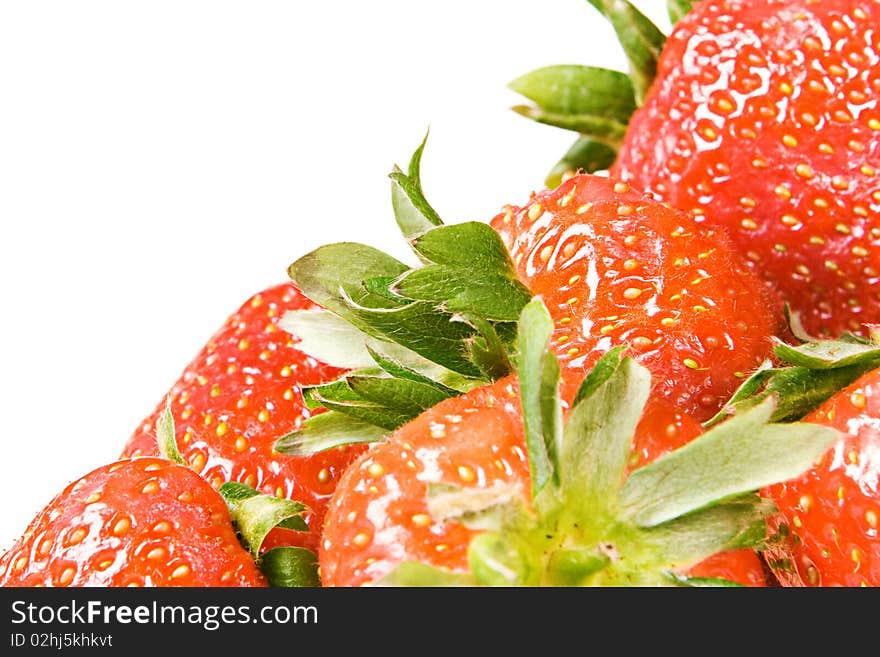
616, 267
827, 521
136, 522
238, 395
761, 116
489, 488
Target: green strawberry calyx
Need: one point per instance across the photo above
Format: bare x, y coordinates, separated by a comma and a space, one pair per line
805, 374
589, 520
409, 335
596, 103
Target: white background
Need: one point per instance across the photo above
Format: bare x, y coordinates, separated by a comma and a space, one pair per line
162, 161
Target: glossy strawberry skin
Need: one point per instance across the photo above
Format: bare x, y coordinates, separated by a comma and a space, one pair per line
829, 518
242, 392
136, 522
379, 514
763, 117
616, 267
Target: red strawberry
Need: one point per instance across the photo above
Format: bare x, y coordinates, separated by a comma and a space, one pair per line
617, 268
449, 498
827, 523
760, 115
136, 522
242, 392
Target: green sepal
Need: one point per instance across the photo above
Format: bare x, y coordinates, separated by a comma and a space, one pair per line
595, 102
327, 337
423, 328
380, 286
468, 270
469, 291
810, 373
338, 397
829, 354
330, 339
327, 430
604, 368
400, 370
489, 348
451, 311
539, 392
383, 400
333, 276
290, 567
737, 456
412, 211
598, 435
255, 514
678, 9
407, 397
166, 435
731, 524
797, 389
597, 128
584, 156
314, 396
414, 573
642, 41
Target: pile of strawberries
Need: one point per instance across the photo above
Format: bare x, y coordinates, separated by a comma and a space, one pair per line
664, 369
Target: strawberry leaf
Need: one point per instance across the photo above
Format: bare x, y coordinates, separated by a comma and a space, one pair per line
597, 128
797, 389
450, 311
737, 456
330, 339
166, 436
539, 388
576, 89
604, 368
290, 566
598, 434
333, 277
339, 397
411, 209
642, 41
406, 396
595, 102
255, 514
400, 370
421, 327
489, 348
473, 291
328, 430
729, 525
327, 337
467, 245
678, 9
827, 354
